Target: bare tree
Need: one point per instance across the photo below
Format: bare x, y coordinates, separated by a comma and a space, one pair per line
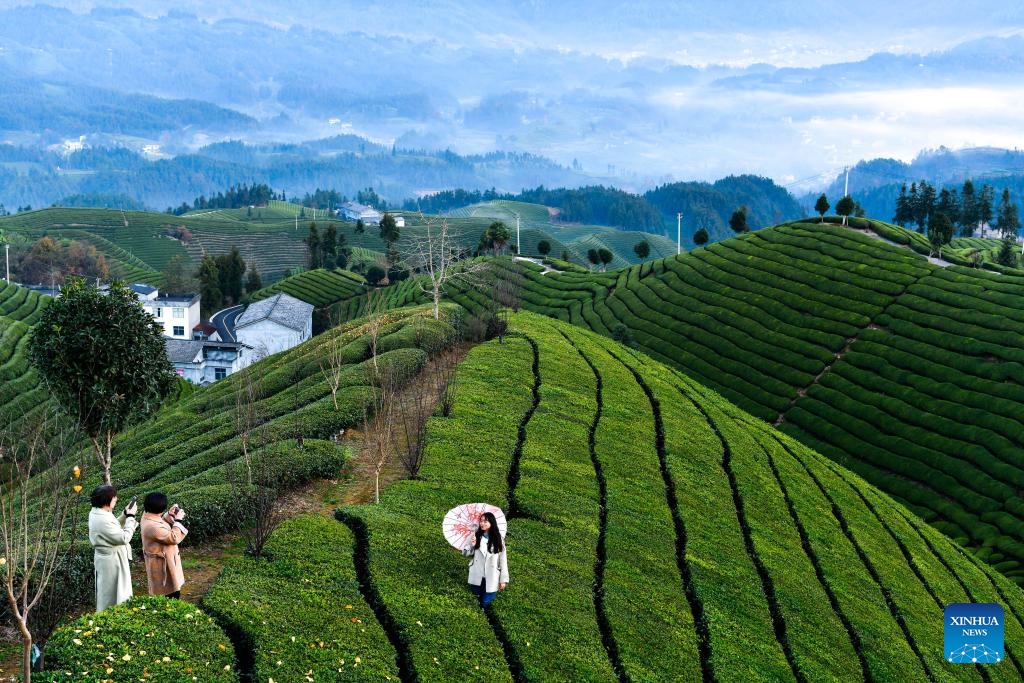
506, 288
379, 419
375, 305
435, 255
332, 359
38, 521
249, 416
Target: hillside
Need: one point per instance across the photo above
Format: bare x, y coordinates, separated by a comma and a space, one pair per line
906, 372
656, 532
20, 391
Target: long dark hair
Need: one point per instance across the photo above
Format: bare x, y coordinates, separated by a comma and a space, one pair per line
494, 544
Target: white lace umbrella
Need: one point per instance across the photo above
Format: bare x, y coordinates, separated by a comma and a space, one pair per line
461, 522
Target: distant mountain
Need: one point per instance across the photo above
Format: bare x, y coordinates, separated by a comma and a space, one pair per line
875, 183
647, 94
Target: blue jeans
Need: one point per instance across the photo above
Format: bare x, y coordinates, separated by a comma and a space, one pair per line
481, 593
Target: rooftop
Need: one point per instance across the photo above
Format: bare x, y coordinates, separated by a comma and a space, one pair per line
282, 308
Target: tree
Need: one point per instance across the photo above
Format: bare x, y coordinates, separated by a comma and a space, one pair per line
39, 502
230, 268
700, 237
968, 209
103, 358
1007, 254
949, 204
313, 246
329, 247
642, 249
360, 226
390, 233
209, 286
543, 247
1008, 220
940, 231
986, 202
922, 203
253, 282
822, 206
845, 207
738, 220
176, 279
434, 254
904, 214
495, 237
593, 257
605, 256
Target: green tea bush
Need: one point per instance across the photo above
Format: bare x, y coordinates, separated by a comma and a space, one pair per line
145, 638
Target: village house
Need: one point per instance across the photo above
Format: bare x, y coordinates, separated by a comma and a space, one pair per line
203, 361
177, 314
275, 324
355, 211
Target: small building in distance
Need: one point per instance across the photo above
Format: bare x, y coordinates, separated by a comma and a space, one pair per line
355, 211
203, 362
274, 324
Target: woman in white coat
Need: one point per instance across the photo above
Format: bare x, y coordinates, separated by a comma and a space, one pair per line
488, 571
110, 537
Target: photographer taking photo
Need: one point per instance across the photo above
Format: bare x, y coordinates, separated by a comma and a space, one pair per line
161, 533
110, 537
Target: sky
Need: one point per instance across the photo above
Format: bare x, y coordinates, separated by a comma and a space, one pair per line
793, 126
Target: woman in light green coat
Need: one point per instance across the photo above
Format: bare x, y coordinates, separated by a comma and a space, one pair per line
110, 537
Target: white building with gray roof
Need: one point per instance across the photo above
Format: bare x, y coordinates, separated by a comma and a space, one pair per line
274, 325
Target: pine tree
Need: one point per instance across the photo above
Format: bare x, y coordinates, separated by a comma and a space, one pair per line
968, 209
313, 244
822, 206
903, 210
986, 203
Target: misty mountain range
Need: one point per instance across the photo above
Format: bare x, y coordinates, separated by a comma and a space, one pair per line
635, 95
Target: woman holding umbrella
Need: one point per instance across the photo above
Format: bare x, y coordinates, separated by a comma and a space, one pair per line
488, 572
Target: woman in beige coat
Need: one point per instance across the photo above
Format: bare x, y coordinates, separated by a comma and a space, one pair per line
161, 533
110, 537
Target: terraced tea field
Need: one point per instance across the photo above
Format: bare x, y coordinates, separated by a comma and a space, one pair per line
906, 372
319, 287
656, 533
20, 390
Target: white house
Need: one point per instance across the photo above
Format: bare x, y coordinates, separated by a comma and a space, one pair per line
203, 362
354, 211
176, 313
275, 324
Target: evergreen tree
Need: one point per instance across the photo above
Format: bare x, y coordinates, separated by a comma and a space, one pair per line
1007, 254
390, 233
822, 206
1008, 222
904, 213
230, 269
329, 247
593, 257
313, 245
738, 220
209, 286
968, 209
940, 231
845, 207
543, 247
701, 237
642, 249
360, 226
986, 204
254, 282
344, 252
948, 204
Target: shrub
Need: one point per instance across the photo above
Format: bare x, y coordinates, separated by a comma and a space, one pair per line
149, 639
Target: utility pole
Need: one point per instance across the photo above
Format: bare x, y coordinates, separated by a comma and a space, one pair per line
846, 185
519, 249
7, 253
679, 233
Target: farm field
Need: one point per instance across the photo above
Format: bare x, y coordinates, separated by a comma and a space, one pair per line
903, 371
656, 533
138, 245
20, 391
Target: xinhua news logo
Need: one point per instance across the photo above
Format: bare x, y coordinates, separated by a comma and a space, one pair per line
974, 633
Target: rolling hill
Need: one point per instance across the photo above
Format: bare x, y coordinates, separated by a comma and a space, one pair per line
906, 372
656, 533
